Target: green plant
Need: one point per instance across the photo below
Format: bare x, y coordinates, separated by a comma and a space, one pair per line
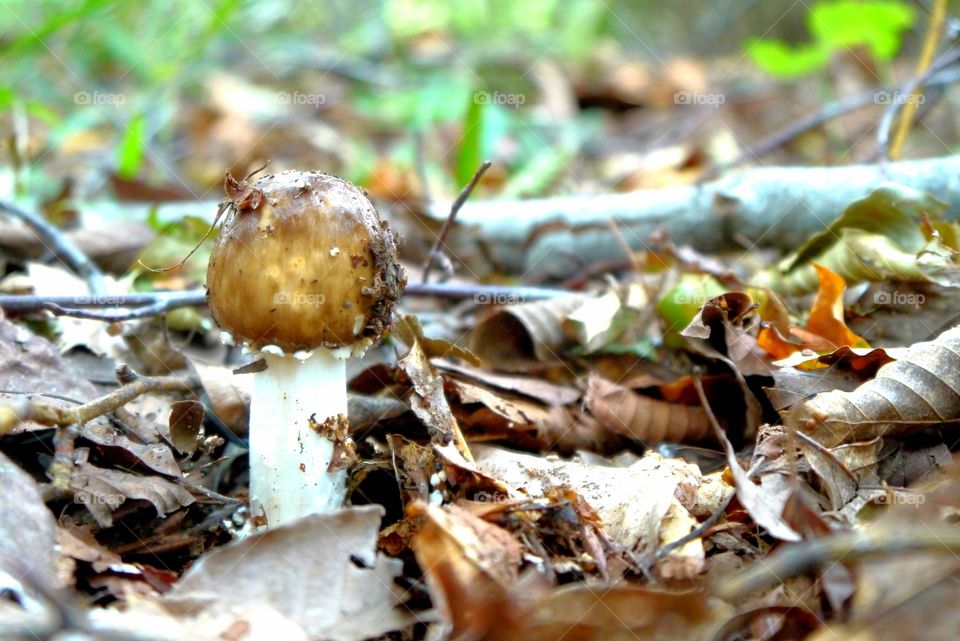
877, 25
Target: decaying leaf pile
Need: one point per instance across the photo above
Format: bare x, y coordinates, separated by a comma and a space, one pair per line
686, 451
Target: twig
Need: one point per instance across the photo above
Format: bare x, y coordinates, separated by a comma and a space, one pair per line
698, 531
781, 137
61, 246
133, 387
140, 305
448, 223
795, 558
886, 122
934, 33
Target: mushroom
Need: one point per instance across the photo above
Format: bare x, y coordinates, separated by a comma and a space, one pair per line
305, 272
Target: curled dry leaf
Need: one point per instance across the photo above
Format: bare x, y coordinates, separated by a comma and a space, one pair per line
643, 418
428, 401
920, 390
469, 566
101, 491
514, 335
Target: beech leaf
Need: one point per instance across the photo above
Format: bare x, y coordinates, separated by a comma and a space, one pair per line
919, 390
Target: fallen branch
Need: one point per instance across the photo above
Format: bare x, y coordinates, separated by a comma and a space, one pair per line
124, 307
777, 207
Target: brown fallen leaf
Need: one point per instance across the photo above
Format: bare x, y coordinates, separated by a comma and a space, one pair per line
428, 401
619, 612
632, 502
920, 390
643, 418
321, 572
517, 335
27, 529
826, 315
229, 394
469, 566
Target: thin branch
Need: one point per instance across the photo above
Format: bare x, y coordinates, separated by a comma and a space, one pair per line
770, 143
55, 415
448, 223
886, 122
796, 558
62, 246
933, 36
141, 305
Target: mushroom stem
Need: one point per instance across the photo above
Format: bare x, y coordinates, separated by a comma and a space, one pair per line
294, 405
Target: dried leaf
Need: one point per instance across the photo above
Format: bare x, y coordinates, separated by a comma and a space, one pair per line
186, 419
632, 502
469, 566
643, 418
102, 491
229, 394
428, 401
581, 612
826, 316
322, 572
536, 388
876, 238
514, 335
27, 529
920, 390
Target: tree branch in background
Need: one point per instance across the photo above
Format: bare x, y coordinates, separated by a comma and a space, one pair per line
774, 207
61, 246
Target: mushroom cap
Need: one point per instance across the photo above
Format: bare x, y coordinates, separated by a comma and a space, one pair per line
303, 261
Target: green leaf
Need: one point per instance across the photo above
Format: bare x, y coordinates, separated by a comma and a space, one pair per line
681, 303
877, 24
876, 238
834, 26
783, 61
130, 152
471, 152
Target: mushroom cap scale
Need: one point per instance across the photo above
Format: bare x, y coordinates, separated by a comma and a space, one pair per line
303, 261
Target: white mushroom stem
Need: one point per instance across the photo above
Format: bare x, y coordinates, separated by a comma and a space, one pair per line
289, 457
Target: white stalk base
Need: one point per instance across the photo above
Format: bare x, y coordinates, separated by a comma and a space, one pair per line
289, 459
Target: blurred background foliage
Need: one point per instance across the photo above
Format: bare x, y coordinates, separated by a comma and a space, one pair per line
146, 87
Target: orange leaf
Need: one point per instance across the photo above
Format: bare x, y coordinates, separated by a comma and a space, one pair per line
826, 316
